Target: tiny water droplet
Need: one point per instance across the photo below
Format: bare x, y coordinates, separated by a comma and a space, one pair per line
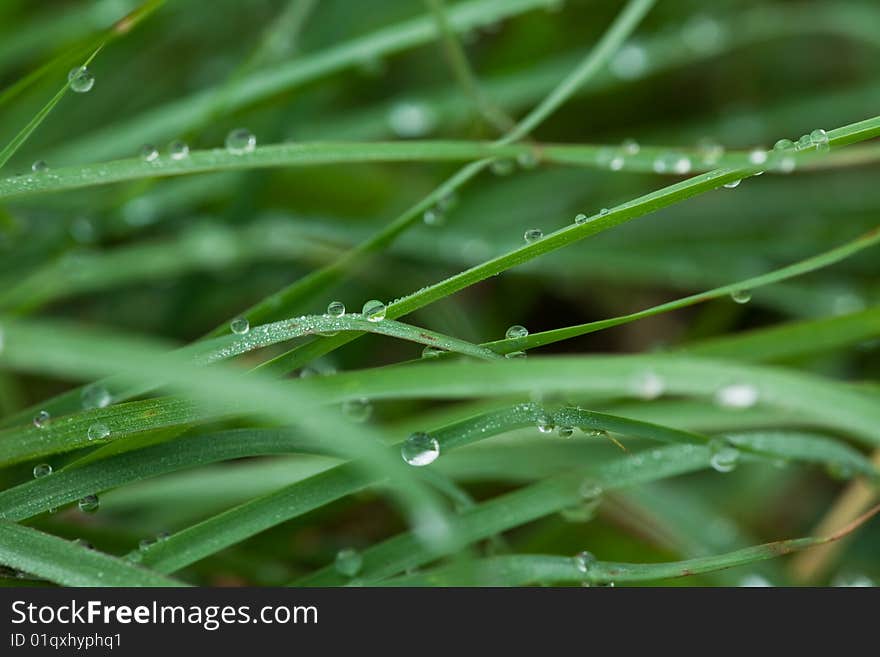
741, 296
98, 431
178, 150
42, 470
649, 386
584, 561
617, 163
630, 146
580, 219
545, 424
433, 217
754, 581
374, 310
515, 354
527, 160
565, 431
357, 410
590, 490
39, 166
411, 119
145, 543
737, 395
595, 433
603, 212
533, 235
149, 153
240, 325
804, 143
420, 449
629, 62
732, 184
240, 141
349, 562
723, 457
502, 167
681, 164
787, 164
709, 150
41, 419
819, 137
783, 145
758, 156
336, 309
95, 396
89, 504
80, 79
516, 331
431, 352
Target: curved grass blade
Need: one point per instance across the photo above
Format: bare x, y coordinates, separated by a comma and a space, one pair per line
69, 564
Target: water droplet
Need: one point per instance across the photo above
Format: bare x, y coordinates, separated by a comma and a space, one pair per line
787, 164
595, 433
527, 160
502, 167
616, 163
240, 325
420, 449
851, 580
80, 79
178, 150
42, 470
681, 164
98, 431
149, 153
41, 419
240, 141
584, 561
630, 146
603, 212
758, 156
590, 490
819, 138
709, 150
39, 166
629, 62
357, 410
723, 457
433, 217
804, 143
783, 145
431, 352
533, 235
336, 309
565, 432
349, 562
89, 504
732, 184
95, 396
649, 386
741, 296
754, 581
703, 34
580, 219
737, 395
515, 354
411, 119
516, 331
374, 311
545, 424
145, 543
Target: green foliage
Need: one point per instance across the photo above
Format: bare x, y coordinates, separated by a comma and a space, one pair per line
699, 382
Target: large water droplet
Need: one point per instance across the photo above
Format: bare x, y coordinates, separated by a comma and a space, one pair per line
89, 504
41, 419
240, 325
374, 310
580, 219
80, 79
723, 457
516, 331
420, 449
98, 431
533, 235
349, 562
42, 470
819, 138
95, 396
737, 395
336, 309
357, 410
240, 141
